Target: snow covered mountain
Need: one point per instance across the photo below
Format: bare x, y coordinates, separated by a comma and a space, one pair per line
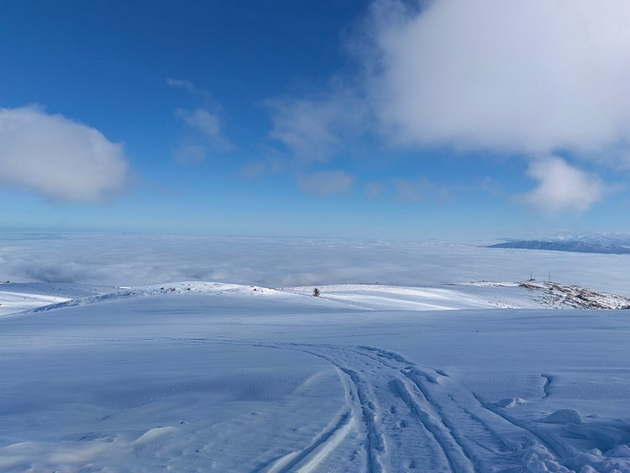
214, 377
578, 245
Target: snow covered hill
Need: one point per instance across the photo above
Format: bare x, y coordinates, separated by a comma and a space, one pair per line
592, 244
475, 295
213, 377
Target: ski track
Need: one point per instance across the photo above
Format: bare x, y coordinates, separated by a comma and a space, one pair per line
405, 418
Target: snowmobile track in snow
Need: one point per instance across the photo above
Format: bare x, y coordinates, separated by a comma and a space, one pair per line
417, 419
400, 417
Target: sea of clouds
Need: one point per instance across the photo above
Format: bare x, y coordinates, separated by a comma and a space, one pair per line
131, 259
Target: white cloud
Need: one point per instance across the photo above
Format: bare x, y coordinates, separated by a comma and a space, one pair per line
375, 190
514, 76
204, 134
58, 158
203, 121
181, 84
326, 183
306, 127
190, 154
562, 187
270, 164
530, 78
203, 127
511, 75
199, 93
420, 189
313, 129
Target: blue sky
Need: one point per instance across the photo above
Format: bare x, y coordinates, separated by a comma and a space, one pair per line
376, 119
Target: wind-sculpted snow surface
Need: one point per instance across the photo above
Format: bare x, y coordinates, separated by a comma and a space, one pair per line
207, 377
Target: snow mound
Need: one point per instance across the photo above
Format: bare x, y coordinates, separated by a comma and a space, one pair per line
538, 460
564, 416
200, 287
47, 456
178, 288
510, 402
603, 434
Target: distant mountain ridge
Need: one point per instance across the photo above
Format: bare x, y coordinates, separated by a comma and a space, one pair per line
616, 246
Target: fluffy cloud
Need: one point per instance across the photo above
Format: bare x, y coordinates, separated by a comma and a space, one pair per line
191, 154
529, 78
313, 129
204, 134
326, 183
306, 127
58, 158
201, 95
203, 128
203, 121
181, 84
562, 187
518, 76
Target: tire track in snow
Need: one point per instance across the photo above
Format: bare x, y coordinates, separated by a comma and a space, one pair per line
324, 443
470, 401
404, 418
361, 402
465, 433
381, 384
413, 393
411, 384
457, 461
374, 441
472, 435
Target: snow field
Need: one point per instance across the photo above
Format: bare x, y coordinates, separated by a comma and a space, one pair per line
222, 378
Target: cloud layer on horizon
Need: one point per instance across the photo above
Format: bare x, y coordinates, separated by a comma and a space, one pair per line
131, 260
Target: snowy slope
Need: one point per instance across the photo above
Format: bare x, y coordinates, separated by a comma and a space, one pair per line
474, 295
12, 302
17, 297
209, 377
